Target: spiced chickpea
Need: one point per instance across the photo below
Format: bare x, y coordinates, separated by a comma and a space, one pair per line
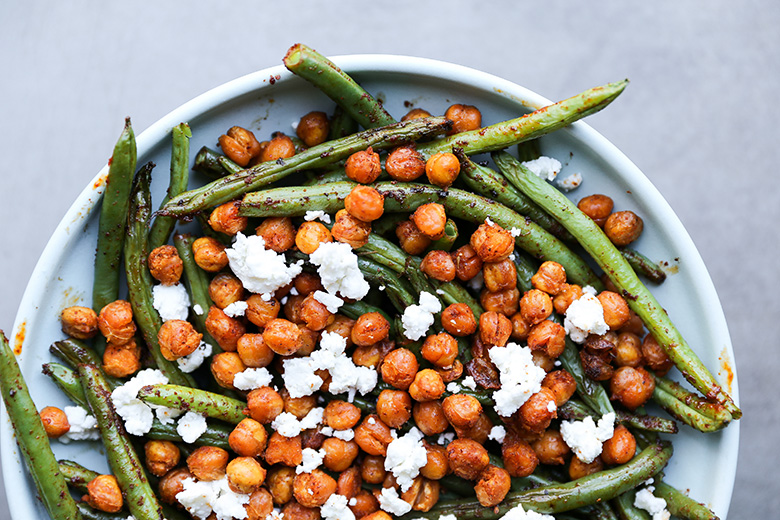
427, 386
550, 278
538, 411
411, 239
224, 289
655, 357
278, 233
620, 448
295, 511
122, 360
365, 203
567, 294
551, 448
298, 406
597, 207
349, 483
464, 118
240, 145
542, 360
365, 504
628, 350
440, 349
501, 275
341, 415
79, 322
279, 147
442, 169
161, 457
284, 450
208, 463
370, 328
224, 329
350, 230
548, 337
282, 336
310, 235
492, 242
264, 404
494, 329
467, 458
416, 113
579, 469
55, 422
279, 481
292, 309
632, 387
171, 484
505, 302
404, 164
363, 166
520, 460
315, 314
260, 505
479, 432
458, 319
520, 327
373, 436
103, 494
394, 407
399, 368
313, 128
248, 438
633, 325
209, 254
313, 489
623, 227
429, 417
438, 265
372, 469
438, 465
115, 322
372, 355
492, 485
306, 283
225, 218
378, 515
178, 338
309, 340
430, 219
468, 264
339, 454
535, 306
245, 475
616, 313
253, 351
422, 494
461, 410
562, 384
451, 373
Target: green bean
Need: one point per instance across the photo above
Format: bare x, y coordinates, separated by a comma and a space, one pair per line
139, 281
162, 227
197, 282
76, 475
573, 410
460, 486
75, 352
32, 439
341, 124
625, 506
387, 223
122, 458
689, 408
526, 269
557, 498
213, 164
405, 197
326, 76
67, 380
326, 177
529, 150
399, 292
681, 505
643, 265
195, 400
113, 220
89, 513
235, 185
606, 255
446, 242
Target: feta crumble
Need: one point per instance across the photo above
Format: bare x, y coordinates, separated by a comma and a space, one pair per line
338, 268
544, 167
518, 513
489, 222
252, 378
171, 301
337, 508
197, 309
405, 456
585, 316
344, 435
654, 505
83, 426
287, 425
453, 388
236, 309
520, 377
497, 433
417, 319
312, 459
445, 438
332, 302
137, 415
469, 382
195, 359
448, 517
201, 498
515, 232
317, 215
390, 502
261, 270
585, 438
551, 406
571, 182
191, 426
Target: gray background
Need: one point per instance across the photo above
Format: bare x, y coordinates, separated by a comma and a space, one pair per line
699, 119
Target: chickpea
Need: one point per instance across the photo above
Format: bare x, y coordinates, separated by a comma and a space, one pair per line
370, 328
104, 494
451, 373
458, 319
225, 289
542, 360
399, 368
422, 495
438, 265
209, 254
248, 438
365, 505
245, 475
161, 457
597, 207
623, 227
562, 384
499, 275
363, 166
278, 233
373, 436
122, 360
620, 448
492, 486
538, 411
282, 336
468, 264
79, 322
284, 450
313, 128
551, 448
306, 283
295, 511
310, 235
634, 325
224, 329
492, 242
55, 422
260, 505
548, 337
280, 147
341, 415
225, 366
240, 145
279, 481
461, 410
464, 118
372, 469
372, 355
632, 387
171, 484
655, 356
535, 306
427, 386
494, 328
339, 454
292, 309
225, 218
313, 489
411, 239
616, 312
253, 351
115, 322
430, 219
378, 515
520, 328
314, 314
264, 404
178, 338
467, 458
349, 483
208, 463
442, 169
429, 417
298, 406
550, 278
567, 294
350, 230
506, 302
365, 203
405, 164
628, 351
394, 407
520, 460
579, 469
440, 349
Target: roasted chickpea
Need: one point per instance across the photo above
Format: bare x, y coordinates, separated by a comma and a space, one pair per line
411, 239
461, 410
248, 438
394, 407
225, 218
363, 166
372, 469
378, 515
597, 207
171, 484
339, 454
240, 145
399, 368
245, 475
225, 289
548, 337
468, 264
632, 387
492, 485
550, 278
365, 503
551, 448
422, 495
427, 386
538, 411
370, 328
209, 254
623, 227
562, 384
314, 314
260, 505
350, 230
104, 494
292, 309
429, 417
451, 373
505, 302
492, 242
458, 319
178, 338
464, 118
494, 328
579, 469
566, 295
55, 422
341, 415
223, 328
284, 450
253, 351
310, 235
628, 350
520, 460
279, 481
620, 448
416, 113
313, 128
404, 164
430, 219
264, 404
438, 265
535, 306
115, 322
161, 457
278, 233
467, 458
634, 325
260, 311
373, 436
440, 349
365, 203
349, 483
542, 360
520, 328
208, 463
225, 366
295, 511
282, 336
122, 360
655, 357
79, 322
313, 489
616, 312
501, 275
279, 147
442, 169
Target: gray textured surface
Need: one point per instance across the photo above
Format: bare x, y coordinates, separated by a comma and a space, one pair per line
698, 119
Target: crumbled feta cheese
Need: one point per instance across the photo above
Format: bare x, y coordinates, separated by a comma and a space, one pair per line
551, 406
417, 319
585, 438
489, 222
261, 270
557, 363
571, 182
338, 268
337, 508
371, 420
544, 167
276, 514
312, 459
252, 378
445, 438
518, 513
317, 215
201, 498
330, 301
448, 517
344, 435
512, 256
381, 287
515, 232
191, 426
312, 419
236, 309
300, 376
195, 359
171, 301
294, 291
585, 316
390, 501
469, 382
287, 425
167, 415
137, 415
654, 505
197, 309
440, 292
83, 426
520, 377
353, 501
497, 433
405, 456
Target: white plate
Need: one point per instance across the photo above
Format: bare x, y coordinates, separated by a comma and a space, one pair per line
273, 99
